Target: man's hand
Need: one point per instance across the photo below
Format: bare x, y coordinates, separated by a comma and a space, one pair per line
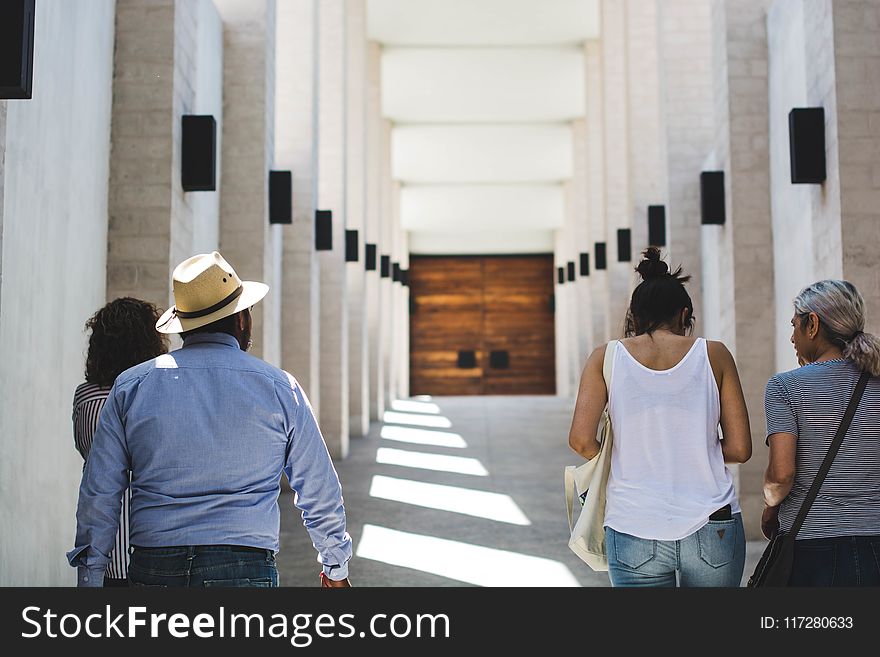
770, 521
327, 583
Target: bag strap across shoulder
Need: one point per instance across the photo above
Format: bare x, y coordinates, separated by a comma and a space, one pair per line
829, 457
608, 364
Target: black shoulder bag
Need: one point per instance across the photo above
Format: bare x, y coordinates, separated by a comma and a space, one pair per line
774, 567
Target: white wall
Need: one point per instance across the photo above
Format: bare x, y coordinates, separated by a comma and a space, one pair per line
791, 205
209, 100
53, 278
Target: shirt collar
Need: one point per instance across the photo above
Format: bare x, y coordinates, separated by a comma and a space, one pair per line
218, 338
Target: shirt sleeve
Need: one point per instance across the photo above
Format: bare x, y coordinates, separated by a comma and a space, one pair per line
313, 478
104, 481
780, 412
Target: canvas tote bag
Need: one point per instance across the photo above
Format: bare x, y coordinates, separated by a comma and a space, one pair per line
587, 482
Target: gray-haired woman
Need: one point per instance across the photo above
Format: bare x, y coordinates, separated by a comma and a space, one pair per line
839, 543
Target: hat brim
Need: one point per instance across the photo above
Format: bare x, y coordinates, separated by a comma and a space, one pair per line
251, 293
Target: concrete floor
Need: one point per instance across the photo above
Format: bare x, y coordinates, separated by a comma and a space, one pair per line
515, 536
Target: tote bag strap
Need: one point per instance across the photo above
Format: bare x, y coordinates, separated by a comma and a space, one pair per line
829, 457
608, 364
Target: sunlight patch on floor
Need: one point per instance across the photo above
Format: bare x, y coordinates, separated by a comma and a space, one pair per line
464, 562
437, 462
477, 503
422, 437
395, 417
411, 406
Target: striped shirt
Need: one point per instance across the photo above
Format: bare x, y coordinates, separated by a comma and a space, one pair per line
88, 400
809, 403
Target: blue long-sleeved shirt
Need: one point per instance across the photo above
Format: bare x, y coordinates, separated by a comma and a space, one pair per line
206, 431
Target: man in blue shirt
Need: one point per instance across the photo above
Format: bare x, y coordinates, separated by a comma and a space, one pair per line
205, 432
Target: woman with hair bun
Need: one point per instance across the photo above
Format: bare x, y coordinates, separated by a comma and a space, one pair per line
839, 541
123, 334
671, 515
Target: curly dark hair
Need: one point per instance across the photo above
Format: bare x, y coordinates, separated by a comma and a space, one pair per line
659, 298
123, 335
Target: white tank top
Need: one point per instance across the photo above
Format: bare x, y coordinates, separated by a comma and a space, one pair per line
667, 470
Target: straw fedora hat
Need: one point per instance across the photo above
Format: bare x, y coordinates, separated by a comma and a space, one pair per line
206, 288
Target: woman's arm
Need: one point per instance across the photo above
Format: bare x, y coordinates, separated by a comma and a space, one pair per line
736, 445
591, 399
778, 479
779, 476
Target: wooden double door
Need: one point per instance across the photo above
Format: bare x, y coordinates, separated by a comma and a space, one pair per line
482, 325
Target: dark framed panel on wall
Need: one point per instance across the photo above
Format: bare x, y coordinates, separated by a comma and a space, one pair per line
198, 153
370, 257
323, 230
16, 49
280, 197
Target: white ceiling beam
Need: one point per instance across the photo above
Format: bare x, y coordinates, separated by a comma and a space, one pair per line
481, 242
488, 85
482, 207
482, 22
526, 153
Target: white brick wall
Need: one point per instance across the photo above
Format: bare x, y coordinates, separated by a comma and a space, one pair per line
647, 168
143, 179
246, 239
583, 242
743, 315
375, 299
331, 196
296, 150
618, 192
687, 123
358, 358
386, 246
595, 136
857, 67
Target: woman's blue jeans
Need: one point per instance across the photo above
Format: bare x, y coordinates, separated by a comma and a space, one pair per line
712, 556
203, 565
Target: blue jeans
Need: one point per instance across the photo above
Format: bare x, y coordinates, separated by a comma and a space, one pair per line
203, 565
838, 561
712, 556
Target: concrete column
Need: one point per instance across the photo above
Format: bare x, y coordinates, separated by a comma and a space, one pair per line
738, 257
386, 246
856, 46
822, 54
403, 307
247, 240
583, 242
375, 295
358, 354
144, 150
618, 195
647, 180
563, 318
595, 136
296, 149
332, 196
394, 321
687, 119
571, 289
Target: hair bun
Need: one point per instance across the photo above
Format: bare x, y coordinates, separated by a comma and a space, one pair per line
652, 266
